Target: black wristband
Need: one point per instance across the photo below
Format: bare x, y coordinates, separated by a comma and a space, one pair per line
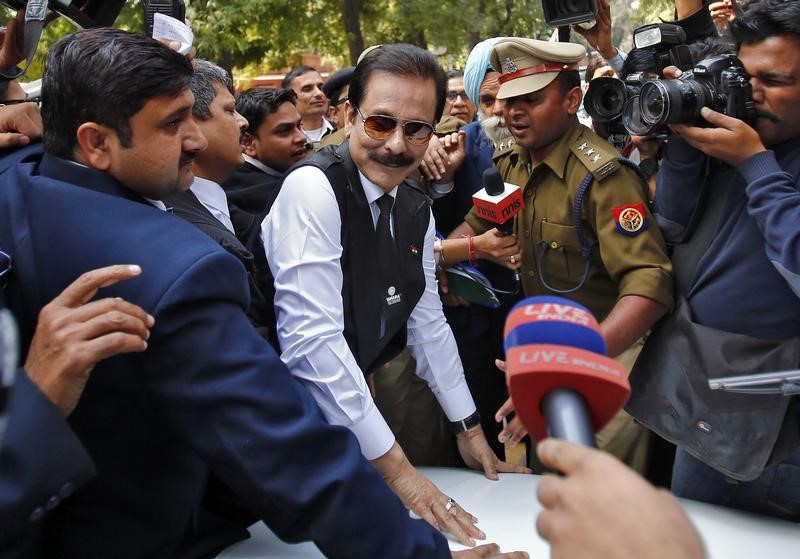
649, 166
465, 424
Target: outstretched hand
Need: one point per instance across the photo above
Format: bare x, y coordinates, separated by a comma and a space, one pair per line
73, 335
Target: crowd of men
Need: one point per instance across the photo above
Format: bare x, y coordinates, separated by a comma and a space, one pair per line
233, 307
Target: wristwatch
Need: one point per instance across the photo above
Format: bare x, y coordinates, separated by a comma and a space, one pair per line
465, 424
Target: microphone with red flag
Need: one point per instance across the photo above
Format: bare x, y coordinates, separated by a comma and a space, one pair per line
560, 379
498, 201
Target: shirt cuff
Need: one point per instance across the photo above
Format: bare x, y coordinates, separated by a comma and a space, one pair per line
653, 283
759, 165
457, 402
617, 62
373, 435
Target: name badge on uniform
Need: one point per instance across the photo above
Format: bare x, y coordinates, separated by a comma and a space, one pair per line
630, 219
394, 297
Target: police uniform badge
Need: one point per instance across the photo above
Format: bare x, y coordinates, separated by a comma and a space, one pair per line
630, 219
510, 66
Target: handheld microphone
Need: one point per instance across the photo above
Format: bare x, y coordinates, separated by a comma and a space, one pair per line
559, 376
498, 201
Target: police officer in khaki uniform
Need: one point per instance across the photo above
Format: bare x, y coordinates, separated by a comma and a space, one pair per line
586, 230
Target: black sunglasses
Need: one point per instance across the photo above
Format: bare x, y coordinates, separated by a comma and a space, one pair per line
380, 127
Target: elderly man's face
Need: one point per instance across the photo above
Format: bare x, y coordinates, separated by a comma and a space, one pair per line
457, 103
774, 68
222, 129
487, 95
388, 162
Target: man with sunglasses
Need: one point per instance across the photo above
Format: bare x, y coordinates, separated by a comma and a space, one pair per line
350, 245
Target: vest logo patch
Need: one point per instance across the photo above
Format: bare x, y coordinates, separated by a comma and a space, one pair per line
414, 250
630, 219
704, 427
393, 297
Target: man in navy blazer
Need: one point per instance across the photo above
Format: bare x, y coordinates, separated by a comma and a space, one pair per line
42, 462
208, 394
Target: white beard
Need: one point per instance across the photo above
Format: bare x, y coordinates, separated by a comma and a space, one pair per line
495, 128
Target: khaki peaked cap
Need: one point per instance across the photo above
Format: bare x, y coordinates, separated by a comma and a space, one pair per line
528, 65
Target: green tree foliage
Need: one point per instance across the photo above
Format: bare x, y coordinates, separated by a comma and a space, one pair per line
274, 33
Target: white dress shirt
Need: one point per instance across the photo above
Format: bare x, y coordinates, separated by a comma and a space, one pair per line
302, 239
316, 134
213, 198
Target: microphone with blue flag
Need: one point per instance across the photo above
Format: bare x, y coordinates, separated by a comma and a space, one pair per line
560, 379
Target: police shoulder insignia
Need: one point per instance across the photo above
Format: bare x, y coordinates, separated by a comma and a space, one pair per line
630, 219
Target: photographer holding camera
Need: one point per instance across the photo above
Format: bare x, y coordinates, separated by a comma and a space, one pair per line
728, 199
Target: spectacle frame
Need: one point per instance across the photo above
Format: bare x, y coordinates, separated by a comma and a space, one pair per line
380, 127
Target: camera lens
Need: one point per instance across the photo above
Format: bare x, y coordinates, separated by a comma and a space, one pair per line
654, 102
632, 119
605, 99
673, 101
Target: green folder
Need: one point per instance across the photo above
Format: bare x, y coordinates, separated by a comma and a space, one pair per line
471, 285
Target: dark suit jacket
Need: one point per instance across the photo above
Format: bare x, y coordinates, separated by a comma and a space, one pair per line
208, 395
251, 189
262, 292
42, 462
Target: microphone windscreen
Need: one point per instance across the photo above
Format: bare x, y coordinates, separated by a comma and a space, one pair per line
493, 182
553, 320
553, 343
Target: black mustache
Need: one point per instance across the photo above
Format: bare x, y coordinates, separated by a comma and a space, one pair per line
186, 158
767, 114
399, 160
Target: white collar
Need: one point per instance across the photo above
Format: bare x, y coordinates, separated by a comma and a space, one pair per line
372, 190
316, 134
210, 194
260, 166
157, 203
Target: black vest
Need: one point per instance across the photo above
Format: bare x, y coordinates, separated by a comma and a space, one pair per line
361, 292
261, 311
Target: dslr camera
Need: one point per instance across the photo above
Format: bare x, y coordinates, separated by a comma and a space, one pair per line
611, 100
644, 103
719, 83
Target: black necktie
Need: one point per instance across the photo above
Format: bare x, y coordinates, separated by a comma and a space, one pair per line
391, 297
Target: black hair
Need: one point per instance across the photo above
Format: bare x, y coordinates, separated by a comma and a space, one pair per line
596, 61
639, 60
203, 78
455, 73
256, 103
299, 71
568, 81
760, 19
710, 46
399, 59
104, 75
